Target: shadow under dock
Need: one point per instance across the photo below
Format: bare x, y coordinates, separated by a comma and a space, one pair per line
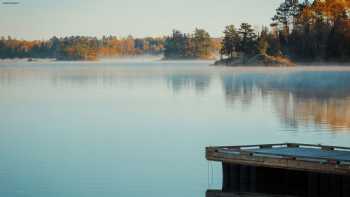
285, 169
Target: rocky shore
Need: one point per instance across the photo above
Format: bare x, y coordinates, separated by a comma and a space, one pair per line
257, 60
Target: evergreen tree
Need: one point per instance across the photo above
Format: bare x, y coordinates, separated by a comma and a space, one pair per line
202, 43
286, 13
230, 42
263, 43
175, 45
248, 40
188, 46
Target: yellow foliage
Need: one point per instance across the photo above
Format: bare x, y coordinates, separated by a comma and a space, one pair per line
330, 8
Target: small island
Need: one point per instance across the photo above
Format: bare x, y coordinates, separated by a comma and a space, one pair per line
243, 47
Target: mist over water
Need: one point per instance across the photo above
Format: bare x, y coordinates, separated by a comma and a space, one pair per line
139, 127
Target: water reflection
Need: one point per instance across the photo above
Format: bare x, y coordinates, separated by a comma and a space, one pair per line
300, 98
241, 88
81, 129
304, 98
333, 112
183, 82
175, 82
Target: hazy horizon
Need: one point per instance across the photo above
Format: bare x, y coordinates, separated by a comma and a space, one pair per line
39, 19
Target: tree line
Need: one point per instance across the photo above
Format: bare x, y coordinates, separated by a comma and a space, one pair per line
79, 47
302, 31
178, 45
198, 45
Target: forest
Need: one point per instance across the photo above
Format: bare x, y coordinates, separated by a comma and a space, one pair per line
80, 47
301, 31
198, 45
317, 31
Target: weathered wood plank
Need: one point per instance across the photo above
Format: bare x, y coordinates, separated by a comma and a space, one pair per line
322, 159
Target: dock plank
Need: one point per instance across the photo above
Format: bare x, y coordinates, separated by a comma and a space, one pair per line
306, 153
312, 158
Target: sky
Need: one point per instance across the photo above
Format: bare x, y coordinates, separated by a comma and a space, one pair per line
42, 19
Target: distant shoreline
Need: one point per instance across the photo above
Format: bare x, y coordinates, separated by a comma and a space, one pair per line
296, 64
216, 63
184, 59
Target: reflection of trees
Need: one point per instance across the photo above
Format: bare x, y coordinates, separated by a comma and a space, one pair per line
182, 82
76, 79
97, 77
6, 77
199, 83
334, 112
299, 98
175, 82
241, 88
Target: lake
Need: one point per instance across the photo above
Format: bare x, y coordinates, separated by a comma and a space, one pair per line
140, 127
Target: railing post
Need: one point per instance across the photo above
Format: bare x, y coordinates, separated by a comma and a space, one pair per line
292, 145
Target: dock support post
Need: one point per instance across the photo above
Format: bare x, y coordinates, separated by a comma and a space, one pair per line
244, 178
335, 185
226, 176
231, 177
346, 186
313, 184
252, 181
261, 182
324, 185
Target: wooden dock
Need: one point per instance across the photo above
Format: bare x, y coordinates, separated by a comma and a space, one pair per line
285, 169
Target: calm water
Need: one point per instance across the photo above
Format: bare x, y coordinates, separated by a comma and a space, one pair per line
139, 128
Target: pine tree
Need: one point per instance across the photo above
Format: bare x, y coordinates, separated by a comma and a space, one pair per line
202, 43
248, 40
230, 42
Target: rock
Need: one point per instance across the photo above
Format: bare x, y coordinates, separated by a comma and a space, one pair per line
257, 60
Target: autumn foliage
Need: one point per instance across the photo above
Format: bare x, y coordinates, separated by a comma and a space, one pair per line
317, 31
79, 47
303, 32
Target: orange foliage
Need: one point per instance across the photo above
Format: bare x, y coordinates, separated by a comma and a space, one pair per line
331, 9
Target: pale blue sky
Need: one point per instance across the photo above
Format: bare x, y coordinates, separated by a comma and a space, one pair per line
41, 19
